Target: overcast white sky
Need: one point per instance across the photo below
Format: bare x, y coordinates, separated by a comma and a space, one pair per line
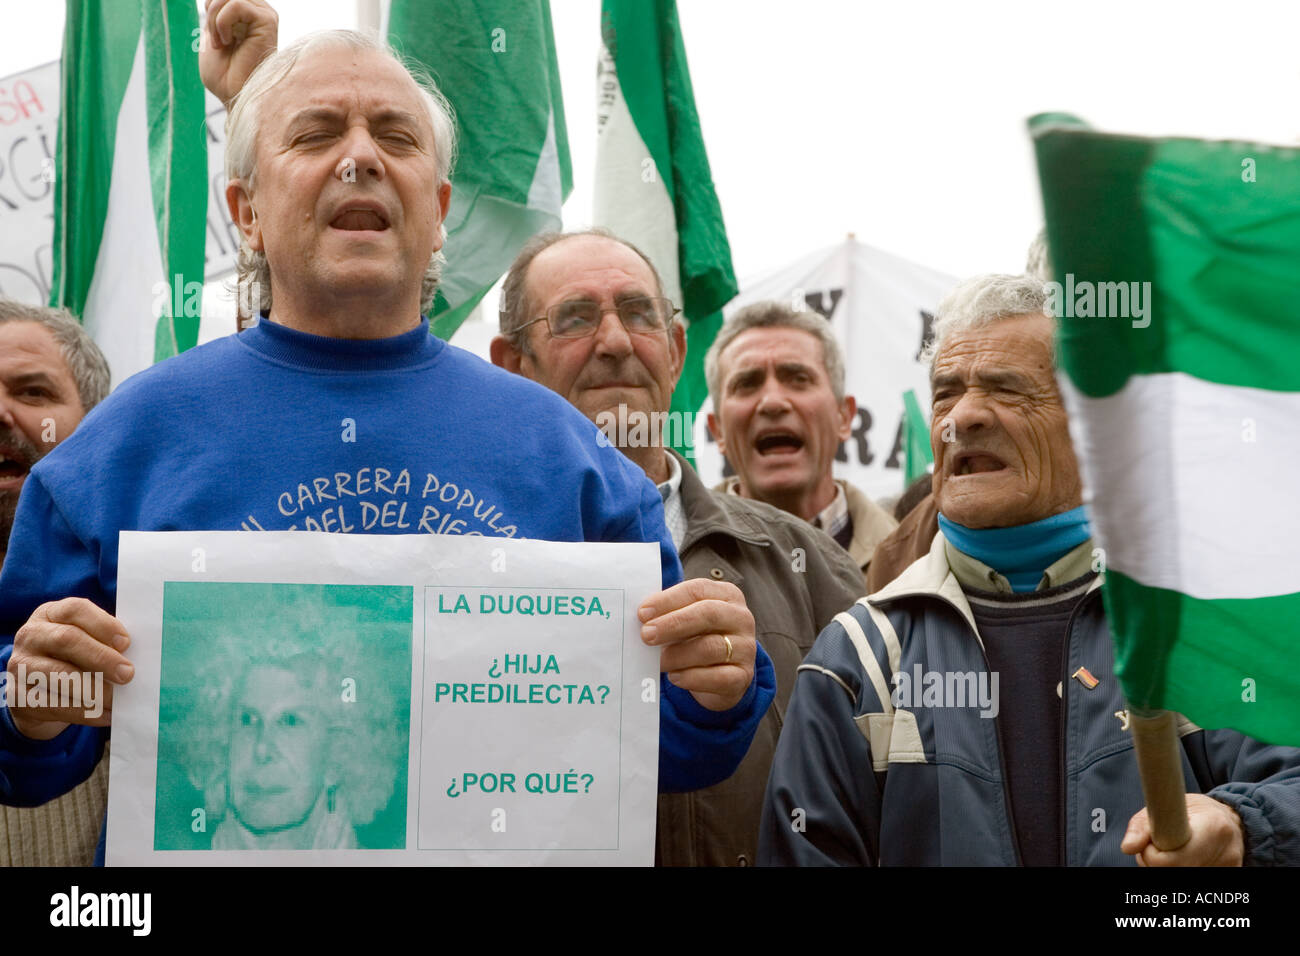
901, 122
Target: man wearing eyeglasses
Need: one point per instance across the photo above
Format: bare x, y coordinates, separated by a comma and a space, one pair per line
585, 315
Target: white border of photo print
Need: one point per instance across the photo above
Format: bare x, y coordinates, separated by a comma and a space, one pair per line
532, 739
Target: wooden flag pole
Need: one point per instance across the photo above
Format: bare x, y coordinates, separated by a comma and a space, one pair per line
1160, 764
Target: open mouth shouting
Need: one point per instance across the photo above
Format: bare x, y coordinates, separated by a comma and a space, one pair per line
360, 216
776, 443
976, 462
14, 466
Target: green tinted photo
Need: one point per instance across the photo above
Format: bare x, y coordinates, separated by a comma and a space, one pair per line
284, 717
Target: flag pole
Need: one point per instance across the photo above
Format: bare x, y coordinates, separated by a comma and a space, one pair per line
368, 16
1160, 765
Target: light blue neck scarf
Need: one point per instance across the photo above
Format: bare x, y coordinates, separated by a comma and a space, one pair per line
1022, 553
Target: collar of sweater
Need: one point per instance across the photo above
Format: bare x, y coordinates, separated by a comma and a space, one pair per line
321, 353
1023, 552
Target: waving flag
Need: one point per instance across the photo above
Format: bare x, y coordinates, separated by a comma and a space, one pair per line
653, 185
494, 60
130, 210
1176, 288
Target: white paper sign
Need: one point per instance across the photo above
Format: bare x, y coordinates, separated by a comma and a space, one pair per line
309, 698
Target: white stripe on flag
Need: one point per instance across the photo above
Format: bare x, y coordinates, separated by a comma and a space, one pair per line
630, 199
119, 314
545, 192
1200, 482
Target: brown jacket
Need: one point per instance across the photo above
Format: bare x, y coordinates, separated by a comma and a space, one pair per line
795, 579
911, 540
872, 524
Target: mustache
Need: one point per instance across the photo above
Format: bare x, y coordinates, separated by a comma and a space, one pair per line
627, 371
18, 448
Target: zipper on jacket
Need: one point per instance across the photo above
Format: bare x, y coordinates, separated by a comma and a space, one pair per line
997, 726
1006, 788
1064, 745
1002, 764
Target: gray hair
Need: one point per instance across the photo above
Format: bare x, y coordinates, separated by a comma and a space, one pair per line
775, 315
243, 126
516, 309
85, 361
981, 301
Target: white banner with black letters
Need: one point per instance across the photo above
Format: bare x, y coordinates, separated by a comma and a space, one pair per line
29, 129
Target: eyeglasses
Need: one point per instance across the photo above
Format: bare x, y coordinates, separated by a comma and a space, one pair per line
643, 315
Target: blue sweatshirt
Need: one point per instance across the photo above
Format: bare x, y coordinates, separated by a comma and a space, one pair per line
280, 430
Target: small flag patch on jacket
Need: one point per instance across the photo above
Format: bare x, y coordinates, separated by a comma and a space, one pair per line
1084, 677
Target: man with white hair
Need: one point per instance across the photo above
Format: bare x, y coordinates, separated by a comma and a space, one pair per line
968, 712
912, 538
350, 417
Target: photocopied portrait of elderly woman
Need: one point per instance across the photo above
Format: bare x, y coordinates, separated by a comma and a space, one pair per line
284, 717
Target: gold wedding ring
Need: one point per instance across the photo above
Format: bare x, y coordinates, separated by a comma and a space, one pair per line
729, 649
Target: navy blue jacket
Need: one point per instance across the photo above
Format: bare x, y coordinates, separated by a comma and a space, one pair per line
859, 781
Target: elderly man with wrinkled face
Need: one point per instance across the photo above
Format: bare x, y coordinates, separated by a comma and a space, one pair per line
338, 163
968, 713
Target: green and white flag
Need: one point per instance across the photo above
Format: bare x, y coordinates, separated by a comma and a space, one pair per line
1176, 286
916, 440
653, 185
131, 185
495, 62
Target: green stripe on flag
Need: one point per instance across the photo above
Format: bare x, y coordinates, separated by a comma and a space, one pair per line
692, 389
99, 41
177, 148
656, 82
1218, 251
644, 41
132, 188
917, 440
447, 320
495, 62
1171, 654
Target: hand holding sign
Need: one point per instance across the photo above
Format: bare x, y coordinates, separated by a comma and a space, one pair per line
400, 699
61, 640
240, 34
707, 634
